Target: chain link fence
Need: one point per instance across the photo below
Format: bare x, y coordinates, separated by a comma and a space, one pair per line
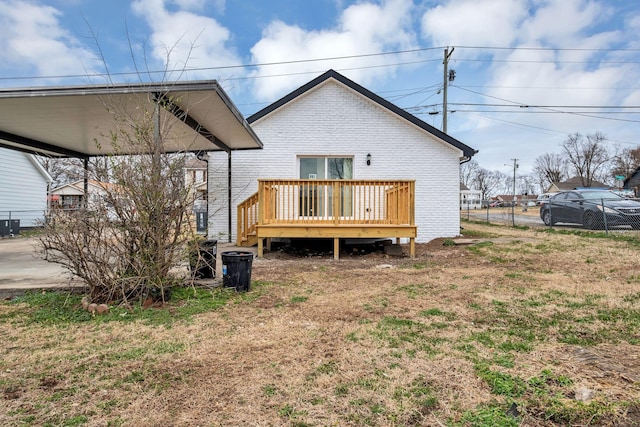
603, 214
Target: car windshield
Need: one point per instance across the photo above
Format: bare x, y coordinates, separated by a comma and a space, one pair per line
599, 195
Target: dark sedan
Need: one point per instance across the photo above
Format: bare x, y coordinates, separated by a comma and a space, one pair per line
592, 208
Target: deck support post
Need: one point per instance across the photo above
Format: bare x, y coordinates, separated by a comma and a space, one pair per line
260, 247
412, 247
336, 248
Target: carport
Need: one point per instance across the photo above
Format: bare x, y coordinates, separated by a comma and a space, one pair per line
67, 121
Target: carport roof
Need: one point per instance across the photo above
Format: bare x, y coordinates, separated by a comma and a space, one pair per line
67, 121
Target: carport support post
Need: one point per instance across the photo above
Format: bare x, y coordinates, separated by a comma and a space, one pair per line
229, 210
85, 183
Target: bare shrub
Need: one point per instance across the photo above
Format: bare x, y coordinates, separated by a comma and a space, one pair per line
126, 240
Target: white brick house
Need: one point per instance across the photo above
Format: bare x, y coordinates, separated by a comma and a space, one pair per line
334, 120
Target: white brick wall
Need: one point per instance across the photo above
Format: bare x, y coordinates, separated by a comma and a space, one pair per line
333, 120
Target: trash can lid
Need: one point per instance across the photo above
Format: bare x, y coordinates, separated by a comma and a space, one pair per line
237, 253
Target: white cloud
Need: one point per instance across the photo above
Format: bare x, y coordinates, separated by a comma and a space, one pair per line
561, 23
576, 69
189, 4
474, 22
363, 28
182, 39
34, 42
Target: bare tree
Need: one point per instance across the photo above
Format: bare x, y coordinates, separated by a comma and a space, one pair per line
468, 171
525, 184
99, 166
65, 170
550, 168
62, 170
587, 156
488, 182
125, 244
625, 162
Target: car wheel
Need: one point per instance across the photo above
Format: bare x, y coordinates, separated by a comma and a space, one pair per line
589, 221
547, 218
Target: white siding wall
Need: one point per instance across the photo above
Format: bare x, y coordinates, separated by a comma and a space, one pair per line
23, 189
334, 120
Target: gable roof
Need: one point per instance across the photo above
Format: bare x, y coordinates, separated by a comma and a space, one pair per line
36, 164
332, 74
77, 187
575, 182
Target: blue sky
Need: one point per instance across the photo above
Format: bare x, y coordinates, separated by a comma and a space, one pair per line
528, 72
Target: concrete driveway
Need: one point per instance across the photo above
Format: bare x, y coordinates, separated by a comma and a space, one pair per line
21, 269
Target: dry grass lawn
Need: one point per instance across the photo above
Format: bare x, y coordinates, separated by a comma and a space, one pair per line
522, 327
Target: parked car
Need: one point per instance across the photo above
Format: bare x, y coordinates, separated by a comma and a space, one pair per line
591, 208
542, 198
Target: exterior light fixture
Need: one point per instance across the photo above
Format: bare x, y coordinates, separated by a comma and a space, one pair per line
369, 159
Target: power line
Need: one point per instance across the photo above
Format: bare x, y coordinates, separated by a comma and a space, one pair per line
336, 58
523, 106
230, 67
553, 131
560, 49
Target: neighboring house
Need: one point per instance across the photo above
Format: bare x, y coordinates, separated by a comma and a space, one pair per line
23, 188
633, 182
71, 196
195, 178
332, 128
573, 183
470, 199
520, 199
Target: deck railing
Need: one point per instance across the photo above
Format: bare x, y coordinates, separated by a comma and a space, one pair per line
247, 218
327, 202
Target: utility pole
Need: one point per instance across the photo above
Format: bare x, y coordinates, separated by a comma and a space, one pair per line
447, 78
513, 201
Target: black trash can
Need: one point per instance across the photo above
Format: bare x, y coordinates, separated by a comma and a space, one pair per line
203, 264
236, 270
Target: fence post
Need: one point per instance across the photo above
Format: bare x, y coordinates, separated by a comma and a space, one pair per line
604, 216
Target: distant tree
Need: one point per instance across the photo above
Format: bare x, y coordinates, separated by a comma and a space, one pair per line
488, 182
625, 161
99, 167
550, 168
62, 170
526, 184
468, 172
66, 170
587, 156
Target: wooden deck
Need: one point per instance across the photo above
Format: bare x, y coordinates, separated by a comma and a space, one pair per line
336, 209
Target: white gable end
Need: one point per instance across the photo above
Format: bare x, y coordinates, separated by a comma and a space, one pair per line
333, 120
